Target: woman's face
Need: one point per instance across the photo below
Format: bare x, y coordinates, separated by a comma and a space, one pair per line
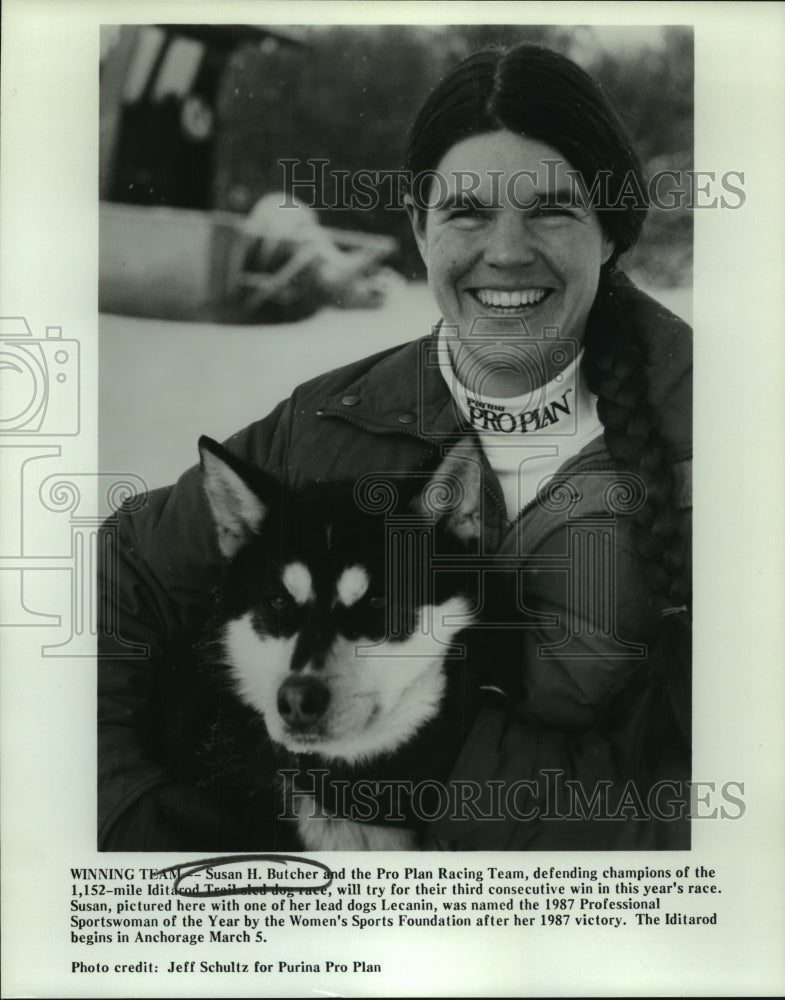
501, 262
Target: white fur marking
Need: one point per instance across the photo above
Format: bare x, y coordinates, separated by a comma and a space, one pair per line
297, 580
237, 511
338, 834
258, 664
351, 585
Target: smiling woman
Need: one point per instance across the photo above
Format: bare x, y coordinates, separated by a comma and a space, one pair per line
500, 256
552, 408
520, 277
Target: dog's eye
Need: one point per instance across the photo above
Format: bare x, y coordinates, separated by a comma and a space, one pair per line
277, 602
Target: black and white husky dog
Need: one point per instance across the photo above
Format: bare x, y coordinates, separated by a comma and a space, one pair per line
340, 656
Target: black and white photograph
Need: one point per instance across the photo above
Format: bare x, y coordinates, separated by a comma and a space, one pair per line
447, 586
353, 428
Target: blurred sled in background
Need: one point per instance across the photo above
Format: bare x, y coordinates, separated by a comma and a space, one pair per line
165, 252
277, 265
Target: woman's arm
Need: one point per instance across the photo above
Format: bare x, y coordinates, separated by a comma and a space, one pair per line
586, 733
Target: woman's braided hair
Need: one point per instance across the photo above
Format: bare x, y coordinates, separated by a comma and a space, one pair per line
535, 92
654, 710
616, 365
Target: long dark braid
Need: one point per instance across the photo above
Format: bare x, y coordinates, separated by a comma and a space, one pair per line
615, 365
654, 709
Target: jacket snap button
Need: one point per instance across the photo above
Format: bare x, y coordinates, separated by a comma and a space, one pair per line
407, 418
350, 400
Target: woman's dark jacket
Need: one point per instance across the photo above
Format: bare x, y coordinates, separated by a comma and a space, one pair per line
391, 413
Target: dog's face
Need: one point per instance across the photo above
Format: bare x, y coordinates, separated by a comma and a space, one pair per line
336, 630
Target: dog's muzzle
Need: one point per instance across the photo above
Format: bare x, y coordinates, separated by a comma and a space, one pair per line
302, 701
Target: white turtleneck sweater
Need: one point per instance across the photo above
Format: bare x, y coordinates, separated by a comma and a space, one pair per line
528, 438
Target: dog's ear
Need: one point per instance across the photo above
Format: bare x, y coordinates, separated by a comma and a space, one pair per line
237, 507
453, 494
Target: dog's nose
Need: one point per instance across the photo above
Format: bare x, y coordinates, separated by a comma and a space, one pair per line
302, 701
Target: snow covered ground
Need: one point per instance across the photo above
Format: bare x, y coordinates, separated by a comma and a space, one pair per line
162, 384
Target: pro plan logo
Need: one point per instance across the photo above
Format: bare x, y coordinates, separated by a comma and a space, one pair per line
494, 417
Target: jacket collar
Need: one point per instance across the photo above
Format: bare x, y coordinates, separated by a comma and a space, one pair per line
404, 393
